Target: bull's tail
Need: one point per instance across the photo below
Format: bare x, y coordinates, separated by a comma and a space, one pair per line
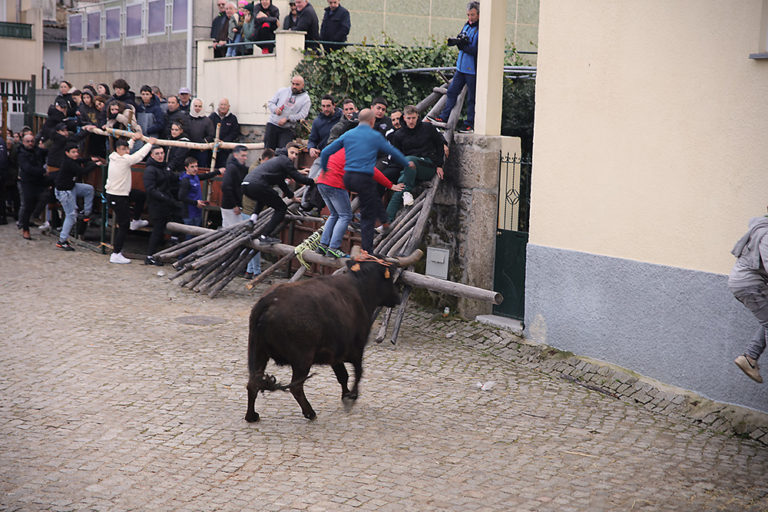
269, 383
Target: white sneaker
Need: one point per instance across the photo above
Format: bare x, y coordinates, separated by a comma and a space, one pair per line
138, 224
407, 199
379, 229
44, 228
117, 257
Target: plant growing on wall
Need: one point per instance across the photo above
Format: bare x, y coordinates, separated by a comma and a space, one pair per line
363, 73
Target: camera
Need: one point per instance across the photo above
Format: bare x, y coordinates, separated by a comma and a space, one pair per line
461, 40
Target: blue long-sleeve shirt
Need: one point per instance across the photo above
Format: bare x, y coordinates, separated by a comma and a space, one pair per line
361, 146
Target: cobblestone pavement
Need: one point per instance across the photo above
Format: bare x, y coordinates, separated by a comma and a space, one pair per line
109, 402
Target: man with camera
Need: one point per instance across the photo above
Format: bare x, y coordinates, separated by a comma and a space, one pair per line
466, 69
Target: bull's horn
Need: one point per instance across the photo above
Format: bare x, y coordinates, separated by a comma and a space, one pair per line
407, 261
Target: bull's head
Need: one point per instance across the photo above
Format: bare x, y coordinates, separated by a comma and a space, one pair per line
379, 276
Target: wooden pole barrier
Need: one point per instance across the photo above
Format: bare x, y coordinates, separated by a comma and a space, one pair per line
408, 277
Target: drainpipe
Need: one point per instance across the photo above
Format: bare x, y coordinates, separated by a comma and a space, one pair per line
190, 4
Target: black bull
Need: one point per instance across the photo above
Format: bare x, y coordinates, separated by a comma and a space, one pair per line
323, 320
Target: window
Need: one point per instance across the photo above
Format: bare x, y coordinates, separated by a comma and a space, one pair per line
179, 15
156, 18
76, 30
112, 24
133, 20
94, 27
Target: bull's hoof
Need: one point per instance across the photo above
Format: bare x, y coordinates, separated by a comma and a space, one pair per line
311, 415
250, 418
352, 395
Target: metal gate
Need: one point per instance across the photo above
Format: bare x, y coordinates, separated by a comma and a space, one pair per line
17, 100
512, 234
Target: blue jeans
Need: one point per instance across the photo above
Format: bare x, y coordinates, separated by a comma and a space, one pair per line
337, 200
232, 51
68, 200
254, 264
459, 79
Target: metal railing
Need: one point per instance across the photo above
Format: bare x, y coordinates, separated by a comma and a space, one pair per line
15, 30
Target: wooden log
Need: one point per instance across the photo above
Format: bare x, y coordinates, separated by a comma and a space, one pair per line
298, 274
431, 99
178, 143
215, 275
382, 332
400, 314
215, 151
269, 270
394, 236
237, 269
417, 233
407, 277
404, 215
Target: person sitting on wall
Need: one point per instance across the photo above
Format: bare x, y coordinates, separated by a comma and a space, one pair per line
421, 144
347, 122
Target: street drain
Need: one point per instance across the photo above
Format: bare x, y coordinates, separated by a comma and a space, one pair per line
200, 320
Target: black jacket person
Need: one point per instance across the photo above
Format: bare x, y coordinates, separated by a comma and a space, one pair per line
259, 183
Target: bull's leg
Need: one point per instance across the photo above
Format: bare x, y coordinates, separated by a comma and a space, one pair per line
358, 366
257, 364
297, 390
343, 377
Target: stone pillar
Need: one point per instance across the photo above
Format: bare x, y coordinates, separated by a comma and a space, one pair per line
464, 218
490, 67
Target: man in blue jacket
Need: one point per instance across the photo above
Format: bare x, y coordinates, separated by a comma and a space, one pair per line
361, 145
466, 68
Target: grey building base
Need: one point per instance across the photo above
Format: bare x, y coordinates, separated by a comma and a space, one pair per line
678, 326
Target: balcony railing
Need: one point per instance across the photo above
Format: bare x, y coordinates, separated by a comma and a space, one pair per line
15, 30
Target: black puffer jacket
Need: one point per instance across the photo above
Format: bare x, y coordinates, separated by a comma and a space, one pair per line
161, 186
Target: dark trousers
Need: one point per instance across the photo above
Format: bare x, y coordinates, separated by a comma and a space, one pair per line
277, 137
137, 198
122, 209
34, 198
457, 84
370, 204
266, 196
158, 217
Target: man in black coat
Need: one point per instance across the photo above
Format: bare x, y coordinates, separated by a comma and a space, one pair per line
335, 26
34, 184
306, 21
219, 28
159, 183
230, 128
4, 168
175, 115
259, 183
231, 191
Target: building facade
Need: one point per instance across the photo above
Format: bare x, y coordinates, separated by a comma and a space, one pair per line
648, 163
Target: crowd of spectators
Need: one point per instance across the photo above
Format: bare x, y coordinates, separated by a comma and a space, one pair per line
257, 22
366, 152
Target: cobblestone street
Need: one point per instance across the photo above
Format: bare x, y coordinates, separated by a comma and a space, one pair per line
112, 402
